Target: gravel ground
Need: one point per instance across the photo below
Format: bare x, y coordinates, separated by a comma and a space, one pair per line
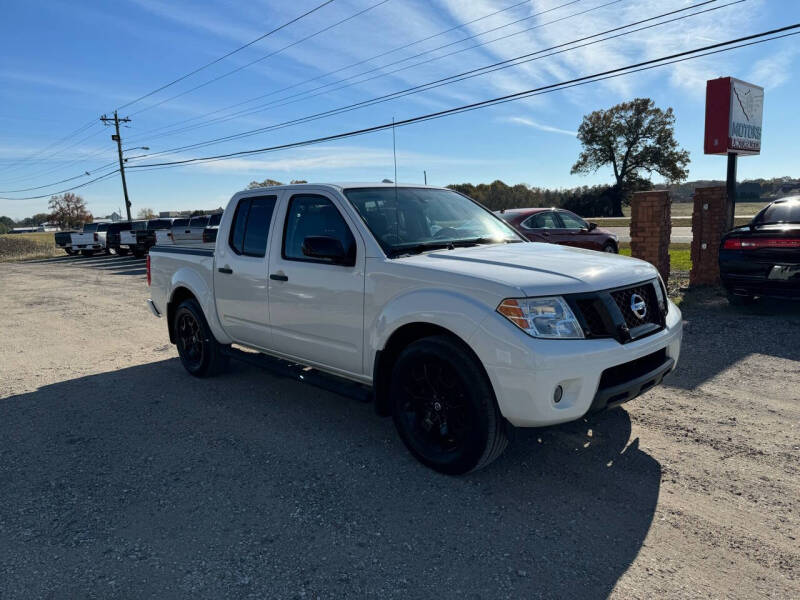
123, 477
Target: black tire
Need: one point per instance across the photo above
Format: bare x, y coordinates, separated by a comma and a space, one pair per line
122, 251
444, 408
69, 251
201, 354
611, 248
87, 253
138, 253
738, 300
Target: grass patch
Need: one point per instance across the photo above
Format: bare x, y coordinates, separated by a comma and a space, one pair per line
25, 246
684, 209
680, 258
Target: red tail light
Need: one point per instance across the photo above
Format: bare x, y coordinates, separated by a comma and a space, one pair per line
148, 269
758, 243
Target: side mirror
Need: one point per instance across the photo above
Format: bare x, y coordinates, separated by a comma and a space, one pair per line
592, 226
325, 248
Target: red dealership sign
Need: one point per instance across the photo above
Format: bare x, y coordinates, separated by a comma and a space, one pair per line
734, 110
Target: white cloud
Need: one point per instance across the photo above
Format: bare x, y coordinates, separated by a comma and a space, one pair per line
531, 123
773, 71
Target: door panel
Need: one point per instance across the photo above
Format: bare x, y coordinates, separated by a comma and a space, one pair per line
240, 273
317, 308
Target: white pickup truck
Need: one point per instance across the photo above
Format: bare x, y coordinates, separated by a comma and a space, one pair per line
90, 240
457, 324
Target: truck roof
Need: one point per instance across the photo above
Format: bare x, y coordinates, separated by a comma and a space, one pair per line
344, 185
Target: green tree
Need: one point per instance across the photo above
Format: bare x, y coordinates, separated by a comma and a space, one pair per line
266, 183
6, 224
634, 138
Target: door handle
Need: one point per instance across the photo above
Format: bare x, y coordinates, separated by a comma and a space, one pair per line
225, 270
279, 277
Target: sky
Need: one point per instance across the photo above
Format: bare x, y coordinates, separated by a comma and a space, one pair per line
64, 63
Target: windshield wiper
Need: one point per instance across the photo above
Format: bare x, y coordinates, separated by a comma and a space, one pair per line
418, 248
481, 240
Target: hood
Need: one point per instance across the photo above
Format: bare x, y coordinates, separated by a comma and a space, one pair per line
538, 269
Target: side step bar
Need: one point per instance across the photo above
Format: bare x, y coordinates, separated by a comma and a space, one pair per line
304, 374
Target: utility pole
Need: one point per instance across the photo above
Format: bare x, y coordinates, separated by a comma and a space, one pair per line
730, 184
116, 137
425, 175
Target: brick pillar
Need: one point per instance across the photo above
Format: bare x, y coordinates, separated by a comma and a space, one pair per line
709, 223
651, 226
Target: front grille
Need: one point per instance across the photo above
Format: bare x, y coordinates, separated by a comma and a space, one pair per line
609, 313
591, 309
648, 293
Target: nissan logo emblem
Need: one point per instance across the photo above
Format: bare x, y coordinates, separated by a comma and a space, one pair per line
638, 306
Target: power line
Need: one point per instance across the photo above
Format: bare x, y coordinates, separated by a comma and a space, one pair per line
608, 74
224, 56
251, 63
536, 55
69, 136
307, 95
443, 81
712, 49
361, 62
74, 187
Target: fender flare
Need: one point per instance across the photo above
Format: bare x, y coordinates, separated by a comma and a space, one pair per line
189, 279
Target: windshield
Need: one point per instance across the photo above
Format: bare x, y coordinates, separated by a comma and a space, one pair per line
137, 225
416, 219
198, 221
180, 222
89, 227
214, 220
780, 212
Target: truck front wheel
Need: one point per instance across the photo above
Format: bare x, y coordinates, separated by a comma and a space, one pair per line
444, 407
201, 354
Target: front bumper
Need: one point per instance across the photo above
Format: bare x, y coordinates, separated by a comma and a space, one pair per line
526, 371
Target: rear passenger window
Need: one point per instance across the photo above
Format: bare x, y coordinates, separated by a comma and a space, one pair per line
250, 226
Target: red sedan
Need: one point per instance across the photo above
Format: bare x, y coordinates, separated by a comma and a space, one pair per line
559, 226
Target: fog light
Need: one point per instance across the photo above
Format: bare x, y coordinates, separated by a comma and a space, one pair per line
557, 394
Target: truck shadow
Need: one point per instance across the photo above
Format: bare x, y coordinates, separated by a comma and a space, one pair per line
116, 265
718, 335
150, 481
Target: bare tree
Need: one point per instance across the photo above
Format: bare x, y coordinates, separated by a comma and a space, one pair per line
69, 211
146, 213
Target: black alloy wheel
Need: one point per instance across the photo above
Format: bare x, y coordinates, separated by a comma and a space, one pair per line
444, 408
201, 354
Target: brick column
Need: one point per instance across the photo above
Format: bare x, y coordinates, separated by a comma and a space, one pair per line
651, 226
709, 223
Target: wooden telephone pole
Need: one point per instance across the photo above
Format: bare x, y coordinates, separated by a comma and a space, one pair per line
116, 137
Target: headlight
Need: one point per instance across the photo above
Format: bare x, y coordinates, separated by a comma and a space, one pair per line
542, 317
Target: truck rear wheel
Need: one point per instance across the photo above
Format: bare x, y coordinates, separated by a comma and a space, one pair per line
444, 408
122, 251
138, 253
201, 354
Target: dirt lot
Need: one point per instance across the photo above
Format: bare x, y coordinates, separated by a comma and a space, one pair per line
121, 476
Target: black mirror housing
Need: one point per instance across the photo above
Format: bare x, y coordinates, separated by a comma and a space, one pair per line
325, 248
592, 226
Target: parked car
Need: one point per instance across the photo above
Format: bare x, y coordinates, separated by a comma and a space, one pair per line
210, 232
192, 233
63, 240
158, 231
559, 226
455, 321
763, 257
91, 239
114, 237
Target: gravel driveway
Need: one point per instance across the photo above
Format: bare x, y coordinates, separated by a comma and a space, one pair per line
123, 477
